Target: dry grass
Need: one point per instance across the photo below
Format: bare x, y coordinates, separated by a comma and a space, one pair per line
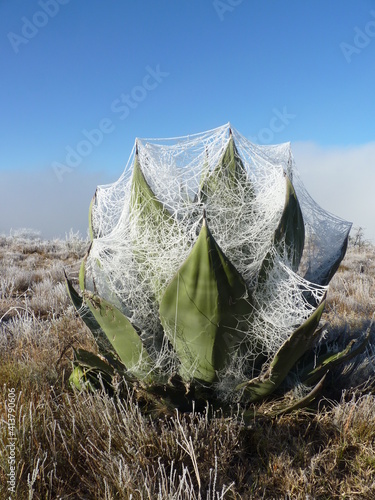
91, 446
352, 291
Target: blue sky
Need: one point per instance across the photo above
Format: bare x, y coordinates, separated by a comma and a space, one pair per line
286, 70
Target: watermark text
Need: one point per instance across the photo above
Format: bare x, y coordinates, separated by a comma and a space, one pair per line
121, 107
223, 6
11, 442
362, 38
278, 122
31, 26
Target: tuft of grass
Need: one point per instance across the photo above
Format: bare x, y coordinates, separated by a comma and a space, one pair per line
80, 445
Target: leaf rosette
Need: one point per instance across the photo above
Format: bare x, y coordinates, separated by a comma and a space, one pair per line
207, 272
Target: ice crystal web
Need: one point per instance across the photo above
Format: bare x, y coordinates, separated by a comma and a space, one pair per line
136, 252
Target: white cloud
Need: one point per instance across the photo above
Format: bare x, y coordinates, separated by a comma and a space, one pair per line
341, 180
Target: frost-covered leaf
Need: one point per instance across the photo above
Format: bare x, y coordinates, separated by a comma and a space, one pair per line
201, 309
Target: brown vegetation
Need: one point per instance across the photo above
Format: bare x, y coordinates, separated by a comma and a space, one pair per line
91, 446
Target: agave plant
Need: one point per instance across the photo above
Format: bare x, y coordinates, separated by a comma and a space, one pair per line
207, 275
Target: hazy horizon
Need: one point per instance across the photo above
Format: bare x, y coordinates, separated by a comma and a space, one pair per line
81, 81
58, 207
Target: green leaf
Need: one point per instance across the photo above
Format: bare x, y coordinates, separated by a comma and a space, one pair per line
104, 345
151, 218
85, 377
201, 307
74, 297
82, 271
286, 405
288, 354
325, 272
84, 312
121, 334
229, 174
93, 368
92, 232
90, 371
301, 402
77, 379
329, 361
88, 359
290, 233
143, 199
289, 236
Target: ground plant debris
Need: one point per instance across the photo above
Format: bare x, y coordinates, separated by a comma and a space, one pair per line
58, 442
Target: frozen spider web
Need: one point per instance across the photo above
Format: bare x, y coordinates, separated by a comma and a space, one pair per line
134, 256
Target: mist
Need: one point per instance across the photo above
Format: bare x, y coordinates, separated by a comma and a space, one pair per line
340, 179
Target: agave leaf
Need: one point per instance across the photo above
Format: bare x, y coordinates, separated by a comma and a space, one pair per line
82, 271
92, 232
93, 367
200, 308
121, 334
329, 361
104, 345
288, 354
323, 274
289, 236
91, 360
77, 379
286, 405
290, 233
152, 217
86, 371
74, 296
84, 312
143, 198
302, 402
229, 171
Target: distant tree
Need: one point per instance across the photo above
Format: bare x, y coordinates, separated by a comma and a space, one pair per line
358, 239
